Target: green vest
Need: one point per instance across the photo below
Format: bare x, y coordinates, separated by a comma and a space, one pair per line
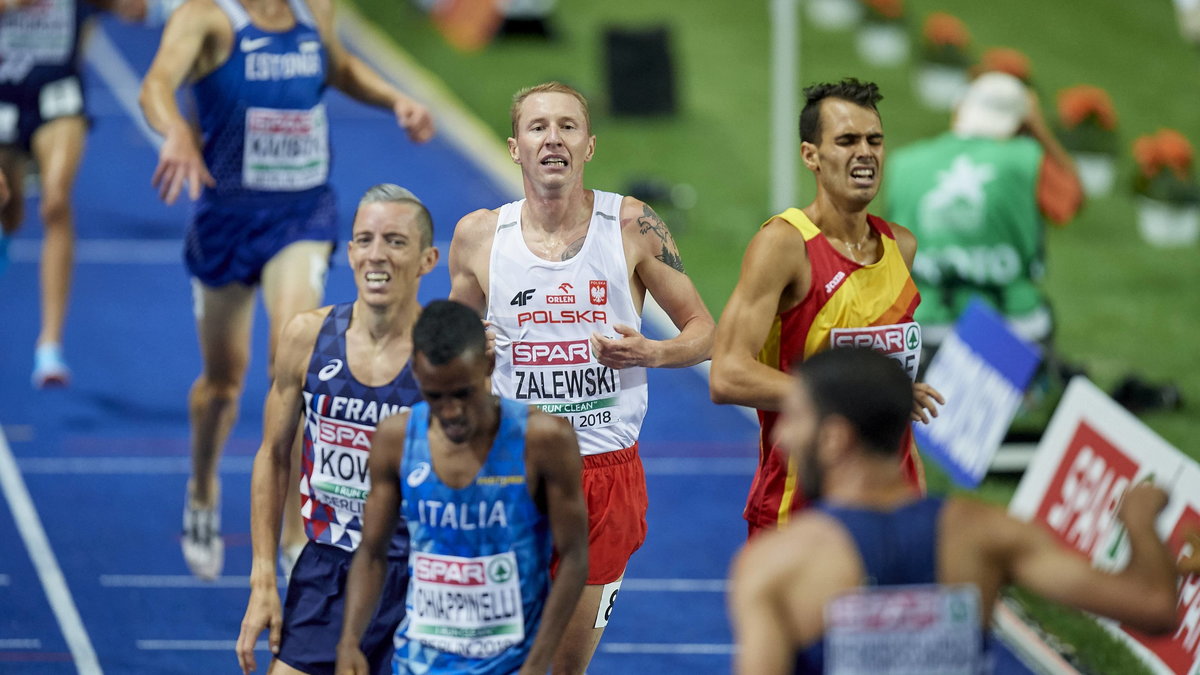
972, 204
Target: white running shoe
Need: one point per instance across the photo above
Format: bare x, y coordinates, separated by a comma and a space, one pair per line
203, 548
49, 368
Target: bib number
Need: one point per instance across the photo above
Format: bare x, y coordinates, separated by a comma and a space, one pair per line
339, 475
928, 629
39, 34
466, 606
562, 379
285, 150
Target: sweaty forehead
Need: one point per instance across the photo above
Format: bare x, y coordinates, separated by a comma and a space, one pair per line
550, 104
839, 116
385, 215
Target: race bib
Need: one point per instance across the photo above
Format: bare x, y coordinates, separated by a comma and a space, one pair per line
285, 150
909, 630
41, 33
465, 606
901, 341
339, 474
562, 379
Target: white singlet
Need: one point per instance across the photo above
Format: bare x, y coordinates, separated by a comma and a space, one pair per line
544, 313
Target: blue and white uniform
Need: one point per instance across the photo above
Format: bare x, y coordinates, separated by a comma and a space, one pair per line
39, 68
266, 143
480, 559
340, 417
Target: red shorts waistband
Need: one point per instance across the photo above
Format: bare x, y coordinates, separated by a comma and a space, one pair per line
622, 456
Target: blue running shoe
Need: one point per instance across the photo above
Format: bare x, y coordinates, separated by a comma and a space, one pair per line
49, 369
3, 253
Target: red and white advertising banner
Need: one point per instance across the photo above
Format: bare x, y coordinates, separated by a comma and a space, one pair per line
1091, 452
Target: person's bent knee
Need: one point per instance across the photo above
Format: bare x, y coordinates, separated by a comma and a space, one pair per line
55, 211
219, 389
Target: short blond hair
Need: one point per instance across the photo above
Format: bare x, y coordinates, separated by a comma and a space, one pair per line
548, 88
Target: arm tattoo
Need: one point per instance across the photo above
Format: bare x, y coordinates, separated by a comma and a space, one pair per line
650, 222
573, 248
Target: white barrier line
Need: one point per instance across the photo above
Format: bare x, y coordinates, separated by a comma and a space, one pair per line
13, 644
667, 648
111, 66
1022, 639
456, 124
194, 645
29, 525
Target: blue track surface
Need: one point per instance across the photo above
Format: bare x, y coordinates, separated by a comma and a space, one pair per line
105, 462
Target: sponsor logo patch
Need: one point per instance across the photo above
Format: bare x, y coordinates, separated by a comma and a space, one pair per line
572, 352
566, 298
329, 370
833, 283
598, 291
522, 298
418, 474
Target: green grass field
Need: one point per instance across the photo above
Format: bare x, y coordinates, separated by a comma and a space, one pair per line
1122, 306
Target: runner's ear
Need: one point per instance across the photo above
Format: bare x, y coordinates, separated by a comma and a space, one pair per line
431, 256
835, 438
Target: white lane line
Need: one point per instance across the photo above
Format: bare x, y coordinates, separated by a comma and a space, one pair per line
667, 648
675, 585
173, 581
29, 525
636, 585
698, 466
108, 251
20, 643
193, 645
611, 647
126, 465
127, 251
654, 466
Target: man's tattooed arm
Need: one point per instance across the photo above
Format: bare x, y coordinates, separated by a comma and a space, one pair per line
649, 222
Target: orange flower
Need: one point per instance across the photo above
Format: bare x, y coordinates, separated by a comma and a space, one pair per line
1005, 60
1081, 102
1145, 153
1165, 149
942, 29
1175, 151
888, 9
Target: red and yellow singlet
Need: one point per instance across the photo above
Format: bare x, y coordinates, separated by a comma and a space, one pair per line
843, 295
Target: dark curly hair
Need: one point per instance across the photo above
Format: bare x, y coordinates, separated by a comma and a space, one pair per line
446, 330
